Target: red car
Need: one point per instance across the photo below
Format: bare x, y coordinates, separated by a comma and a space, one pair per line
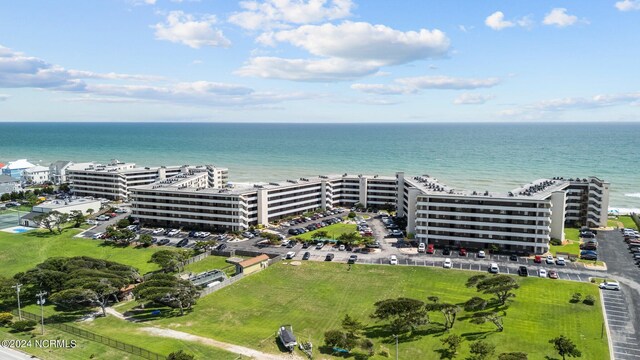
553, 274
537, 259
462, 252
430, 249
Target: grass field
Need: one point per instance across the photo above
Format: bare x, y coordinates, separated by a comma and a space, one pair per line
572, 236
315, 296
628, 222
21, 252
209, 263
334, 231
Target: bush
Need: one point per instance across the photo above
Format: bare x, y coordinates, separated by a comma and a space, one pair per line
180, 355
351, 215
513, 356
384, 353
555, 242
576, 298
23, 325
589, 300
5, 318
123, 223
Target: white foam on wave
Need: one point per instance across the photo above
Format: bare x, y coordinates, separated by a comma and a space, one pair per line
633, 195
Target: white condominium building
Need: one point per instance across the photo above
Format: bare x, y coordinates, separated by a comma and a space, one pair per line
112, 181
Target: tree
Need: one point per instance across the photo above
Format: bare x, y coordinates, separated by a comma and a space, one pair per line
351, 215
77, 217
64, 187
7, 292
404, 314
450, 311
23, 325
352, 326
46, 221
337, 338
168, 290
5, 318
565, 347
492, 317
121, 224
5, 197
452, 344
501, 286
80, 281
320, 234
170, 260
475, 304
589, 300
52, 220
513, 356
90, 211
481, 350
145, 240
180, 355
349, 238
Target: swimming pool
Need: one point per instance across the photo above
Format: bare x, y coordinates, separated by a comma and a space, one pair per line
17, 229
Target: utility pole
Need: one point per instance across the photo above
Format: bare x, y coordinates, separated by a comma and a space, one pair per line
396, 336
41, 300
17, 287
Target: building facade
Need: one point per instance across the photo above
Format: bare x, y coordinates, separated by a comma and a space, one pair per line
36, 175
16, 168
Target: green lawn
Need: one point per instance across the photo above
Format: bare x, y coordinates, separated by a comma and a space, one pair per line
315, 296
209, 263
21, 252
628, 222
334, 231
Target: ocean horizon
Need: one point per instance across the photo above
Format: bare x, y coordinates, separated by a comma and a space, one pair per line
475, 156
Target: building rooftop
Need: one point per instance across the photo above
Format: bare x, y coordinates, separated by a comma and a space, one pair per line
57, 204
19, 164
36, 168
254, 260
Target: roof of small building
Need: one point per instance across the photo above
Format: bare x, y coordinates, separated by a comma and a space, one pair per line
19, 164
254, 260
30, 216
36, 168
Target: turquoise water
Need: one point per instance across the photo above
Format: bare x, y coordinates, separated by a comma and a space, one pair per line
472, 156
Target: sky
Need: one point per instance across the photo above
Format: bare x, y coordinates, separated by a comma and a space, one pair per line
312, 61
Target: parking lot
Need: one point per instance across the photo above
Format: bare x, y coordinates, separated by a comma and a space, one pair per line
620, 316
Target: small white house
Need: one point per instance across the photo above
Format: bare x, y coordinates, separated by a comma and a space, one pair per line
67, 206
36, 175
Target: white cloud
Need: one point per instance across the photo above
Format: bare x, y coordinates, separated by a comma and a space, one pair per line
191, 31
540, 108
496, 21
4, 97
628, 5
112, 76
472, 99
141, 2
559, 17
332, 69
414, 84
345, 51
277, 14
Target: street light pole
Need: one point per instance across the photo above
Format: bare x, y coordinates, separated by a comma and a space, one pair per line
396, 336
17, 287
41, 301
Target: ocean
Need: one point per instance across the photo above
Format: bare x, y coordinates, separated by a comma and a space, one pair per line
472, 156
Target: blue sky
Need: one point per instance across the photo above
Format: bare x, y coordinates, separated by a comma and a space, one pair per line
320, 60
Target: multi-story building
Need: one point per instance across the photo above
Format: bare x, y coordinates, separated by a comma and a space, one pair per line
524, 219
113, 181
36, 175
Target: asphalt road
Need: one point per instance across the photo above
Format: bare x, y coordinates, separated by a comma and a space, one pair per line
10, 354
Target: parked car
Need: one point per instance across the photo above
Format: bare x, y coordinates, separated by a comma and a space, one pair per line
542, 273
329, 257
481, 254
306, 256
182, 243
431, 249
319, 246
447, 264
374, 245
422, 247
523, 271
352, 259
397, 233
341, 248
493, 268
549, 259
290, 255
99, 235
102, 218
560, 261
609, 285
553, 274
462, 252
446, 251
120, 211
221, 247
588, 255
163, 241
393, 260
537, 259
174, 232
92, 222
513, 257
158, 231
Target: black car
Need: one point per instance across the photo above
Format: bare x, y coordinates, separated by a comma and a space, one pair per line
446, 251
154, 240
329, 257
306, 256
523, 271
352, 259
513, 257
182, 242
163, 241
291, 244
192, 233
221, 247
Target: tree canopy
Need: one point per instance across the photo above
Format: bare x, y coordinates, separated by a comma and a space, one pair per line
170, 260
500, 286
168, 290
404, 314
565, 347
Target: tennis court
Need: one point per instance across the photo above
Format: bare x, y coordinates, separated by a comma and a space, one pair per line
10, 218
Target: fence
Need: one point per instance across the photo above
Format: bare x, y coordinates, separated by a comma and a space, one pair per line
131, 349
190, 260
226, 282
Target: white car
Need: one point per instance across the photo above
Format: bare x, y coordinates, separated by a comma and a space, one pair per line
158, 231
393, 260
174, 232
422, 247
341, 248
481, 254
447, 264
542, 273
609, 285
92, 222
560, 261
290, 255
98, 235
549, 259
102, 218
120, 211
493, 268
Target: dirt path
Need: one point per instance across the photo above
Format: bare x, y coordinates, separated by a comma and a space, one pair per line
241, 350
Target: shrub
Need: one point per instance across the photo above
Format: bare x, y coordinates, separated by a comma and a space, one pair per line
180, 355
23, 325
589, 300
123, 223
5, 318
513, 356
576, 297
351, 215
384, 353
555, 242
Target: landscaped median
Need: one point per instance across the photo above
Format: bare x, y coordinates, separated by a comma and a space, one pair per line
333, 231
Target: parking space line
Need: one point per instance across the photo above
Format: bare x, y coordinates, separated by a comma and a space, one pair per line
626, 354
626, 348
623, 342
